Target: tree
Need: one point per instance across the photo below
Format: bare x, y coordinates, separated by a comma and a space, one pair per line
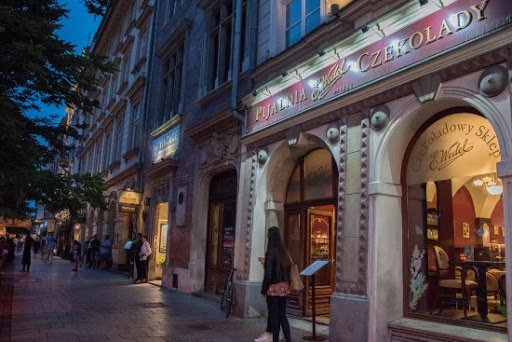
36, 66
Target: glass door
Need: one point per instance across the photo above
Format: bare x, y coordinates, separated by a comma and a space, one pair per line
294, 238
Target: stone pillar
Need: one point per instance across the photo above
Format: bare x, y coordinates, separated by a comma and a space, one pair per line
505, 173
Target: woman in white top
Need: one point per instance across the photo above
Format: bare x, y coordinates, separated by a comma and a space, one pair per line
145, 252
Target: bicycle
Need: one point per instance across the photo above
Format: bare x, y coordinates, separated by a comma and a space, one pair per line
227, 295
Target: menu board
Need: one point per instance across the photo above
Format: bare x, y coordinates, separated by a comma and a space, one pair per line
228, 244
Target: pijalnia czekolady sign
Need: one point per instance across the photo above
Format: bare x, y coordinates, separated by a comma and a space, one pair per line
461, 22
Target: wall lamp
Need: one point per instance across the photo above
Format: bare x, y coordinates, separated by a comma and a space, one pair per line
423, 2
266, 92
365, 28
320, 52
284, 73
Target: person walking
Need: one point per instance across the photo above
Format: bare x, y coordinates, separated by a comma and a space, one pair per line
276, 283
76, 250
27, 250
106, 252
145, 252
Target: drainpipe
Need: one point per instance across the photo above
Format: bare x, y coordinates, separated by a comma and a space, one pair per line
236, 63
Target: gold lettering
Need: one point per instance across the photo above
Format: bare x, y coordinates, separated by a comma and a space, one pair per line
259, 110
293, 97
444, 27
429, 39
360, 62
268, 112
274, 109
376, 61
400, 47
465, 21
281, 105
480, 10
388, 55
412, 40
303, 96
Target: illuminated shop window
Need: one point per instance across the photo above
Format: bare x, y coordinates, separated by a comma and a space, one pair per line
455, 227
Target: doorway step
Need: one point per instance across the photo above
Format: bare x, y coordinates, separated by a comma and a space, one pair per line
304, 323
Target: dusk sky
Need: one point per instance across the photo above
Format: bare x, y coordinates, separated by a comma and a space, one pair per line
78, 29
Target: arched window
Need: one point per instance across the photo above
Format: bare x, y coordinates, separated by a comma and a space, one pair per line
454, 232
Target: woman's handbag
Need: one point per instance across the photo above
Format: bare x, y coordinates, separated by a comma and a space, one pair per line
295, 281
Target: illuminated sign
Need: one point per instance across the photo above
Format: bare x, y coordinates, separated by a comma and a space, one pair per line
166, 145
127, 208
461, 22
129, 197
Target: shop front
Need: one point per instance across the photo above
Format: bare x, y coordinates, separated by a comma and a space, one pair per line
389, 156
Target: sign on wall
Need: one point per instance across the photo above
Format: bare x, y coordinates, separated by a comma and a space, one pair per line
454, 25
455, 146
166, 145
129, 197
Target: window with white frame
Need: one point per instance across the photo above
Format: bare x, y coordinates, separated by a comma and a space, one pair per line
171, 85
220, 44
134, 139
302, 17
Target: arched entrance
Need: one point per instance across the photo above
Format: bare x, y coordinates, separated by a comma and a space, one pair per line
310, 223
221, 230
454, 236
161, 232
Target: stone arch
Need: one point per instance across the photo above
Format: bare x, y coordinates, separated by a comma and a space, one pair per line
386, 286
199, 224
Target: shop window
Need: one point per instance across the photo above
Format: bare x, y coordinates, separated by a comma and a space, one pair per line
455, 228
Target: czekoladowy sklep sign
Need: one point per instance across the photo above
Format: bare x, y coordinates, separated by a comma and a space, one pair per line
456, 146
459, 23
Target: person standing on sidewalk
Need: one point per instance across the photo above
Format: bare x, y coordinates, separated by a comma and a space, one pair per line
145, 252
276, 283
106, 252
76, 251
136, 246
50, 244
27, 250
95, 251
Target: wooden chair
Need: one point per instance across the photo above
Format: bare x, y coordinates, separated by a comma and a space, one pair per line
450, 285
493, 288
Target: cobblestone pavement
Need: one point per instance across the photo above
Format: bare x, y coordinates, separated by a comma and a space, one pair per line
52, 303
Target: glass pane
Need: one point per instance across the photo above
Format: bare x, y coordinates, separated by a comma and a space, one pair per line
320, 221
293, 239
455, 238
293, 35
312, 21
293, 192
293, 12
311, 6
318, 175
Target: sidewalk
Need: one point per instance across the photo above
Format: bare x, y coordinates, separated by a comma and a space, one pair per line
52, 303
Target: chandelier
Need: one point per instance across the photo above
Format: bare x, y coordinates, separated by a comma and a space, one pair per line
490, 183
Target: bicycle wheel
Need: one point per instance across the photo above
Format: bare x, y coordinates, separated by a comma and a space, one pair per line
229, 299
224, 296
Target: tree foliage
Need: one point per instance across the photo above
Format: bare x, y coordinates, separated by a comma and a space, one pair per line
37, 67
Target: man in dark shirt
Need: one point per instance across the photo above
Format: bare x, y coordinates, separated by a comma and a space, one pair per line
136, 250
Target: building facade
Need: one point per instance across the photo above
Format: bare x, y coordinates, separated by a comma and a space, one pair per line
376, 135
378, 138
113, 139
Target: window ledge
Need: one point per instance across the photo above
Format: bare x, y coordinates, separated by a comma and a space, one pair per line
138, 66
131, 153
428, 331
114, 166
214, 93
